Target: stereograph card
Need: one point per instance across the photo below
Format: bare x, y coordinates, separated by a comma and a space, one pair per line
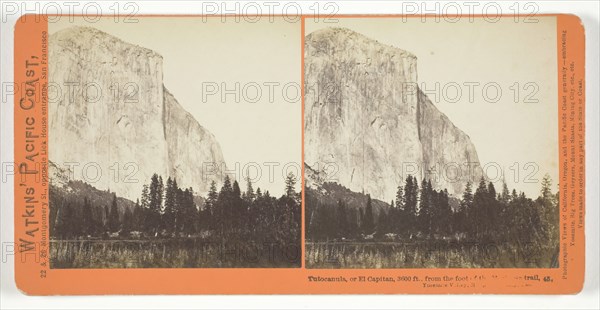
377, 154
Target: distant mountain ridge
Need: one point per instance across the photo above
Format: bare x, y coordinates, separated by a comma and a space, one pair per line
330, 193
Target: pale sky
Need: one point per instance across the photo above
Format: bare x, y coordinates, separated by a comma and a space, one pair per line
199, 54
504, 52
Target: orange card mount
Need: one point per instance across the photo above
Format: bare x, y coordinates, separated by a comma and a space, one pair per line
353, 158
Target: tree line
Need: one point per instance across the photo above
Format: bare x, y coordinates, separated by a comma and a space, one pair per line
165, 210
422, 212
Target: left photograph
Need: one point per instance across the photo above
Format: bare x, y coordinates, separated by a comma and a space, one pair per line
174, 143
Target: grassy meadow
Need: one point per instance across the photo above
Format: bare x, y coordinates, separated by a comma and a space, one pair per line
170, 253
427, 255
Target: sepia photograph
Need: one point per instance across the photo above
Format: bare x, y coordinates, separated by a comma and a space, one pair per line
431, 144
299, 154
320, 149
169, 148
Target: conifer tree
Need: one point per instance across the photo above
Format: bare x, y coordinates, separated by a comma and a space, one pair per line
106, 220
211, 198
127, 223
223, 210
155, 204
145, 199
290, 183
424, 213
249, 194
492, 210
170, 207
382, 223
368, 221
114, 222
237, 207
342, 220
88, 218
478, 210
138, 216
188, 215
258, 193
546, 190
411, 190
445, 216
399, 198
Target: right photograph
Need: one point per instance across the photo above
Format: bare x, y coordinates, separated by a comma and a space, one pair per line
431, 142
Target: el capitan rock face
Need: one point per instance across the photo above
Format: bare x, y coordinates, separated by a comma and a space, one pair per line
133, 120
363, 117
447, 149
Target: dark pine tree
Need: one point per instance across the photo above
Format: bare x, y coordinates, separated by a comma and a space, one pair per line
170, 207
238, 213
464, 209
478, 211
369, 221
249, 194
290, 183
139, 217
411, 192
210, 204
424, 214
155, 205
127, 223
88, 218
114, 223
342, 221
223, 209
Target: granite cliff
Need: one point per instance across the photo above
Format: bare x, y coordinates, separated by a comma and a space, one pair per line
110, 106
367, 125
